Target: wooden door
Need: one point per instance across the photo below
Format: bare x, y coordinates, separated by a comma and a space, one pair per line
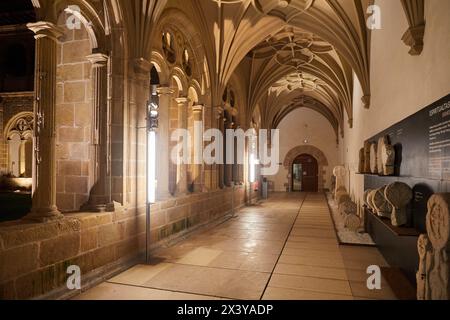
310, 172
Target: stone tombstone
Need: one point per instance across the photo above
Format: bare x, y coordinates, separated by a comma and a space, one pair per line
367, 157
361, 164
342, 198
382, 206
424, 249
386, 160
381, 141
373, 159
365, 197
399, 195
438, 229
370, 197
352, 222
339, 172
348, 207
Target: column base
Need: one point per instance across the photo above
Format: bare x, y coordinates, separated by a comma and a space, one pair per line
43, 215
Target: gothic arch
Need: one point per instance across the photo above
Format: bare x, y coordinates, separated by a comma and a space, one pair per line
313, 151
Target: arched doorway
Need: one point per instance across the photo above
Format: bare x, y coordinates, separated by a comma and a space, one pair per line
317, 154
305, 174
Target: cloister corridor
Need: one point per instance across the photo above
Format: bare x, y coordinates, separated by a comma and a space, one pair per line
284, 248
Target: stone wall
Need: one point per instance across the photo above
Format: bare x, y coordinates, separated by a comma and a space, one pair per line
34, 257
73, 119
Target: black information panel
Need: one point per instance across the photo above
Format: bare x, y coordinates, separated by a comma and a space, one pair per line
422, 145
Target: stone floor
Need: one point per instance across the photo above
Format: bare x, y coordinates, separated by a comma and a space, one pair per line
283, 249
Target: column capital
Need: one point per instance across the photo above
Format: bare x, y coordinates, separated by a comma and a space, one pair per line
44, 29
165, 90
98, 59
197, 108
142, 65
182, 100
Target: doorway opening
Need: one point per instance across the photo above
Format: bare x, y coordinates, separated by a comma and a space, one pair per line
305, 174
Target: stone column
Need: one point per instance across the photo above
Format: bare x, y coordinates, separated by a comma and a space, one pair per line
217, 168
163, 157
197, 144
44, 159
183, 104
100, 198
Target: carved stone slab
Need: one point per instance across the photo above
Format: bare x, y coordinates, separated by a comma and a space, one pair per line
381, 141
382, 206
367, 157
339, 172
352, 222
424, 248
399, 195
361, 161
373, 158
370, 197
348, 207
386, 154
434, 249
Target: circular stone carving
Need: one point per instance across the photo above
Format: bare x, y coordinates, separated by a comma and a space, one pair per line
382, 206
342, 198
398, 194
370, 197
438, 221
373, 159
365, 197
352, 222
348, 207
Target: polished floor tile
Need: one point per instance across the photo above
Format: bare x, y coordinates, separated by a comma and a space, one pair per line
282, 249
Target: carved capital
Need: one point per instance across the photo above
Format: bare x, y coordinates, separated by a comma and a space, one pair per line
366, 101
415, 14
98, 59
413, 38
165, 91
182, 101
197, 108
142, 66
44, 29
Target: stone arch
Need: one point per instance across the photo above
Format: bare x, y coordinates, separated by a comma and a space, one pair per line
314, 152
19, 134
21, 124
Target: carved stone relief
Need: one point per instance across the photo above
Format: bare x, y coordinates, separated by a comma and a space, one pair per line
382, 206
361, 161
434, 248
339, 172
367, 157
373, 158
399, 195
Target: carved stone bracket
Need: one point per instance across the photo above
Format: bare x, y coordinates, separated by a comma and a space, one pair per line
415, 14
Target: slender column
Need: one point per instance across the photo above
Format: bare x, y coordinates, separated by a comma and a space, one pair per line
228, 170
183, 104
218, 168
197, 144
44, 159
99, 199
163, 156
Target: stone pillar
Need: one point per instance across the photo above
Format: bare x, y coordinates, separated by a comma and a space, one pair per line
228, 167
183, 104
100, 197
44, 159
163, 157
220, 168
197, 144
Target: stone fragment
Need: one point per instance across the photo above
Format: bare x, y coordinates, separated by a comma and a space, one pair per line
399, 195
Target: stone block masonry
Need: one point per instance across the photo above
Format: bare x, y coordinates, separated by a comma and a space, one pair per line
34, 257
